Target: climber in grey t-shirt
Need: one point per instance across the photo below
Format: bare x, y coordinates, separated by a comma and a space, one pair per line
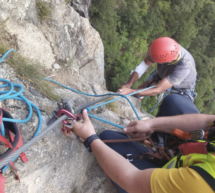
175, 69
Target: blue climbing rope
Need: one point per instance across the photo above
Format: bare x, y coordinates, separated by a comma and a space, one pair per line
12, 94
147, 80
5, 55
109, 94
160, 99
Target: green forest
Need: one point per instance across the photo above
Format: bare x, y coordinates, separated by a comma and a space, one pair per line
127, 27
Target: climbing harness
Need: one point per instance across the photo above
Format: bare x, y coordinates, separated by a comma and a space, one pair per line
192, 95
161, 155
196, 151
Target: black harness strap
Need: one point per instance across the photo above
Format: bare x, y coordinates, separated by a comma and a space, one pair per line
131, 157
205, 175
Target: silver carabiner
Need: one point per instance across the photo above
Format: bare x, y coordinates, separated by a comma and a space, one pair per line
197, 135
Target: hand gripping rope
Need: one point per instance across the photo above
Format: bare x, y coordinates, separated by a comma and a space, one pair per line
67, 108
89, 106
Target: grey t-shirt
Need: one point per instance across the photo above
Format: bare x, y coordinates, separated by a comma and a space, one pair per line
182, 74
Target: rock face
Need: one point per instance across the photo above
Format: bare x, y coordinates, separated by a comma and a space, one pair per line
82, 7
65, 37
89, 71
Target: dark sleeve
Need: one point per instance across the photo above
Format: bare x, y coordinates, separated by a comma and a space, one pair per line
150, 59
155, 77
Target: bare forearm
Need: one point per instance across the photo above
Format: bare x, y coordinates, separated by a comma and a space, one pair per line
189, 122
150, 92
149, 83
133, 78
113, 164
163, 85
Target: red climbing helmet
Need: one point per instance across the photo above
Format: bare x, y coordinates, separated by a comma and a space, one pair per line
163, 50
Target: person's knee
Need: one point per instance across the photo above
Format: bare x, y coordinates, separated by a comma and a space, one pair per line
109, 134
175, 104
169, 100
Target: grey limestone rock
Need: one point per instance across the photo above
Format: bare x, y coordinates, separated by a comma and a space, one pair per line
82, 7
56, 66
62, 37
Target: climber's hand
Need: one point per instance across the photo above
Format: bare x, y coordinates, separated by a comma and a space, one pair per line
137, 129
67, 133
127, 85
85, 129
125, 91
